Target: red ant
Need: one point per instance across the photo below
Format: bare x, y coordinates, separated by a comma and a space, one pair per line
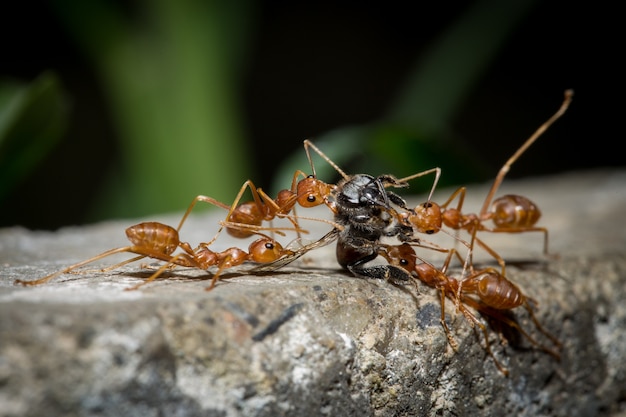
509, 213
243, 219
487, 291
159, 241
307, 192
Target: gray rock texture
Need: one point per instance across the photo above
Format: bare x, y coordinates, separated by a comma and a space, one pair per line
311, 340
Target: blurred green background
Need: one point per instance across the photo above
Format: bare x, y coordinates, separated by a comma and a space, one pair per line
113, 109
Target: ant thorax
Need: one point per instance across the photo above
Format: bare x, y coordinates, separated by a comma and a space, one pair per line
361, 190
363, 203
363, 206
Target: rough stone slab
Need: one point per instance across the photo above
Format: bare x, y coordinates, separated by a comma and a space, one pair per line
311, 339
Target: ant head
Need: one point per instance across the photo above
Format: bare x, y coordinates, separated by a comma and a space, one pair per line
312, 192
403, 255
425, 218
265, 250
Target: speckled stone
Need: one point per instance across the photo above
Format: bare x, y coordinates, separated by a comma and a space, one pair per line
311, 340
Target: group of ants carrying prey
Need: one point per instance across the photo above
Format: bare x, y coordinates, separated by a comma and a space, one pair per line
365, 213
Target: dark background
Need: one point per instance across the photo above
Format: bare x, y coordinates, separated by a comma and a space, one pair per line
318, 65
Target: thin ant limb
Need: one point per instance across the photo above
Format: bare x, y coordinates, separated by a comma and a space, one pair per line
248, 228
437, 172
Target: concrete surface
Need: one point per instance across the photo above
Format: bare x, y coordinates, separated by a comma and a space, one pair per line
311, 340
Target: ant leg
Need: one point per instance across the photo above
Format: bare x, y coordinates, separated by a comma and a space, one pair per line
437, 172
120, 264
458, 192
493, 253
497, 315
474, 320
308, 144
76, 265
542, 329
181, 259
227, 259
451, 340
204, 199
523, 230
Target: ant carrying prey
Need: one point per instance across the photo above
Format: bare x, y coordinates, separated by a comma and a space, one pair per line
159, 241
364, 209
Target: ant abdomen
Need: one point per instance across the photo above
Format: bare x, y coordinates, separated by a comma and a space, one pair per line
246, 213
514, 211
498, 292
156, 236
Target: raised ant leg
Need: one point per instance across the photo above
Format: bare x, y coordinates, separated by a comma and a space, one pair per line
308, 144
569, 95
512, 213
386, 180
360, 189
437, 172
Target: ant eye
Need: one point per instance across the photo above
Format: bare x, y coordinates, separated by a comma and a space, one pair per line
269, 245
428, 205
430, 232
311, 176
404, 262
311, 198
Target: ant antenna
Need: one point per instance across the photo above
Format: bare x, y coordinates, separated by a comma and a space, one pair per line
307, 144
